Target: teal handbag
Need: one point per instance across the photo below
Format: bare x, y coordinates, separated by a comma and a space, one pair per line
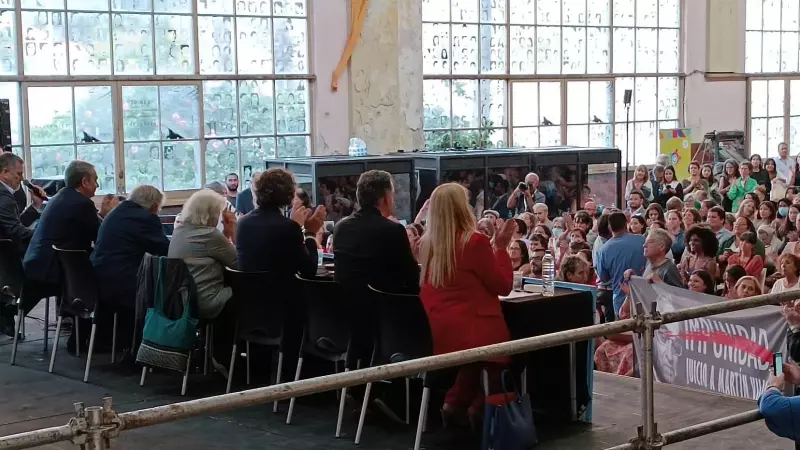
166, 343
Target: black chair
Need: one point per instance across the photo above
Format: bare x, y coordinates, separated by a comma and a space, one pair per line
402, 334
79, 299
327, 331
12, 277
261, 303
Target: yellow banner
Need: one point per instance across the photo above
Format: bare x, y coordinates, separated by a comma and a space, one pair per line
677, 144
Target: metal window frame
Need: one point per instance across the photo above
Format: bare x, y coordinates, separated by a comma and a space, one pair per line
761, 31
787, 112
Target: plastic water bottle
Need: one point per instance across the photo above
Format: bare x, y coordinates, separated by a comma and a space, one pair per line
357, 147
548, 274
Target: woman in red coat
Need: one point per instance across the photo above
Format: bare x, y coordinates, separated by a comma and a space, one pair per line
465, 273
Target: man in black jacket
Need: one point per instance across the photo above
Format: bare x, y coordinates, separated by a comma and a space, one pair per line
369, 248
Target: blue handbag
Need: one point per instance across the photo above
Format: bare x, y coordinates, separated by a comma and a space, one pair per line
166, 343
508, 420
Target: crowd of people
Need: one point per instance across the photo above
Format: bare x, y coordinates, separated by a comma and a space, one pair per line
732, 237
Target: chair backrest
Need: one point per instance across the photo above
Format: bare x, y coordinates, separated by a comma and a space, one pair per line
260, 303
328, 319
79, 285
403, 331
12, 276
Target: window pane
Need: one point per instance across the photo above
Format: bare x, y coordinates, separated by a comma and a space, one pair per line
133, 44
50, 115
523, 48
256, 108
526, 104
752, 54
221, 158
173, 36
437, 140
464, 10
669, 13
668, 53
290, 106
493, 101
794, 135
179, 112
465, 49
667, 98
578, 135
293, 146
646, 50
550, 105
599, 12
548, 50
101, 156
624, 50
173, 6
493, 49
465, 104
776, 98
577, 103
262, 8
140, 115
8, 43
131, 5
624, 11
646, 143
789, 49
758, 137
753, 15
181, 165
435, 10
289, 8
93, 114
10, 91
42, 4
771, 49
44, 43
523, 11
772, 14
549, 136
794, 107
600, 136
646, 99
601, 101
775, 132
759, 94
623, 84
256, 150
647, 13
89, 47
215, 6
526, 137
219, 108
142, 165
493, 12
436, 104
574, 50
51, 161
599, 57
291, 45
548, 12
573, 12
88, 5
790, 15
254, 45
216, 42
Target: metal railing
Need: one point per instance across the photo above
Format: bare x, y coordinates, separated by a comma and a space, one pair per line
95, 426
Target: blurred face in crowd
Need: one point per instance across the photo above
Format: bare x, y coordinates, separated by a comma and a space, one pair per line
696, 245
673, 221
653, 249
744, 170
591, 208
576, 236
14, 176
730, 169
636, 227
641, 174
232, 182
694, 170
484, 227
652, 215
669, 176
788, 266
541, 214
412, 235
783, 150
539, 230
581, 274
748, 209
740, 226
769, 166
747, 288
793, 214
636, 201
491, 217
514, 251
696, 284
715, 221
764, 212
755, 160
688, 219
528, 219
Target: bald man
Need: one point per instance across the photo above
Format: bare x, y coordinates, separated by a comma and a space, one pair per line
521, 200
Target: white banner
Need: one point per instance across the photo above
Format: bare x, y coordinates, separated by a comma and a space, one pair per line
728, 353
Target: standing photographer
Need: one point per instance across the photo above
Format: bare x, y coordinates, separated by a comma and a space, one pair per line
522, 199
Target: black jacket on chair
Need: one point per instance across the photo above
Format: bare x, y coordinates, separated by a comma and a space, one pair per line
268, 241
69, 221
127, 233
370, 249
14, 224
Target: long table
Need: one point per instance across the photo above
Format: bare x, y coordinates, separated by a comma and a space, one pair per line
558, 379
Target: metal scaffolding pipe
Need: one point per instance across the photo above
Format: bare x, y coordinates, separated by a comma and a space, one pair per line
31, 439
728, 306
226, 402
712, 426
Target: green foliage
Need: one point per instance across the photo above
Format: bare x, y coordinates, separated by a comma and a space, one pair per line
467, 139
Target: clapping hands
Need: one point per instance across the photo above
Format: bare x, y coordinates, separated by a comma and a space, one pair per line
503, 235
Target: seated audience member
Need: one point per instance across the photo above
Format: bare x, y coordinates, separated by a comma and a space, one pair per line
245, 200
637, 225
619, 254
541, 212
657, 225
370, 248
654, 213
641, 183
220, 189
605, 293
268, 241
520, 259
733, 244
772, 245
615, 354
636, 204
688, 202
205, 250
676, 232
732, 275
700, 254
672, 187
746, 256
675, 204
521, 230
584, 222
706, 206
15, 223
537, 252
69, 221
690, 217
574, 269
530, 224
783, 205
486, 226
788, 224
464, 272
109, 202
490, 214
702, 282
716, 221
767, 214
576, 246
747, 286
692, 184
789, 266
577, 235
743, 185
730, 219
127, 233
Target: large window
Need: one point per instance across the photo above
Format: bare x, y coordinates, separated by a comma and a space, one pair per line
550, 72
773, 31
173, 93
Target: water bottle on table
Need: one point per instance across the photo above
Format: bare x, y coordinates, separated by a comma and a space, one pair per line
548, 274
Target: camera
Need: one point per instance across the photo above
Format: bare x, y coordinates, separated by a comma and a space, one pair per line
523, 186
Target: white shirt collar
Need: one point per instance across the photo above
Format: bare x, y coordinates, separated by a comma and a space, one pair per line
9, 188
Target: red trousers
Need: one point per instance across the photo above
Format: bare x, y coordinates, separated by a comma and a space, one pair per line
467, 392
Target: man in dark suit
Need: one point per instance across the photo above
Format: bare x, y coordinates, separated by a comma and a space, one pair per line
245, 201
369, 248
69, 221
128, 232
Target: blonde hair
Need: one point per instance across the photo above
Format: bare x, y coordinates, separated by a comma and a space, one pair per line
449, 228
203, 208
751, 279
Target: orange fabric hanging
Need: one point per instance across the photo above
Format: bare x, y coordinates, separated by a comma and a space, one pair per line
358, 15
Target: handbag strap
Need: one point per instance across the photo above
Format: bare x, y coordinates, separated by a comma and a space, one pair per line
506, 392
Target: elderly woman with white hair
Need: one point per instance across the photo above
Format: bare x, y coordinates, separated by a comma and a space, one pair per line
205, 250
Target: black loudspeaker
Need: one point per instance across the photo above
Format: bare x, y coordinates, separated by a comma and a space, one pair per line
5, 124
628, 95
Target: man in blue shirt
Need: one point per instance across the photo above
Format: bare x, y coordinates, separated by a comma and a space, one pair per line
781, 413
622, 252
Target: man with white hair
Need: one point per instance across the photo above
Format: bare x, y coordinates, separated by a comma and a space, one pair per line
541, 212
525, 195
659, 267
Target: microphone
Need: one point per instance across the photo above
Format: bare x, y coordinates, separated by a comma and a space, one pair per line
34, 190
